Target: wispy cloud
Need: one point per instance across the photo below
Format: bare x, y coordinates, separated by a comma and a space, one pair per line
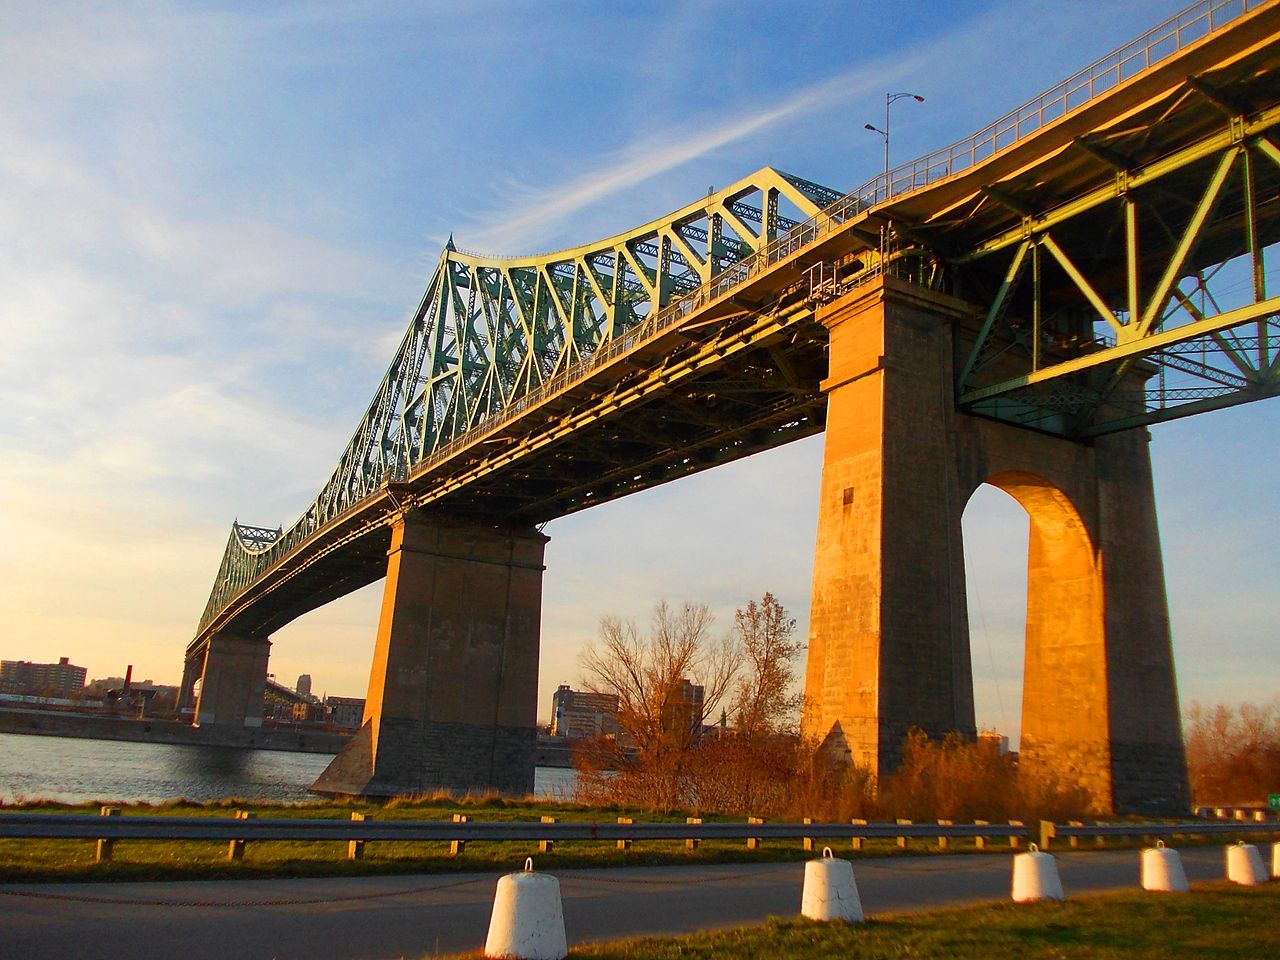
538, 213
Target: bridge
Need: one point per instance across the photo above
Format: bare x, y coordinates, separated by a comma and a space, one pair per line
1016, 309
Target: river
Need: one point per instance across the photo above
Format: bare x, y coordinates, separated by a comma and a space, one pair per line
71, 770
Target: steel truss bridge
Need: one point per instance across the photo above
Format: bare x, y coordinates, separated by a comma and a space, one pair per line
1113, 235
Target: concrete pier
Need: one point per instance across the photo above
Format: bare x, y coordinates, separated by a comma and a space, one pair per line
232, 681
452, 700
889, 643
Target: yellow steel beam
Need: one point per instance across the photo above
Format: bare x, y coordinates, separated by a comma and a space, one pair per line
1209, 146
1128, 349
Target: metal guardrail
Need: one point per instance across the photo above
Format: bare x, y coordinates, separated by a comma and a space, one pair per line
1102, 831
114, 827
88, 827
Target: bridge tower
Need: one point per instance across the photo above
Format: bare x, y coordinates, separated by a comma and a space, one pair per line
889, 645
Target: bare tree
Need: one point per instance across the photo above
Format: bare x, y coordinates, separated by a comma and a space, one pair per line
765, 701
1233, 752
652, 676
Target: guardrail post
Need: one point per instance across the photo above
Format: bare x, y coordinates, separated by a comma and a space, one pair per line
1100, 839
1015, 841
457, 846
808, 841
1074, 841
943, 841
857, 841
691, 843
753, 843
355, 848
902, 841
105, 846
235, 849
1239, 813
545, 846
980, 843
625, 844
1047, 834
1260, 816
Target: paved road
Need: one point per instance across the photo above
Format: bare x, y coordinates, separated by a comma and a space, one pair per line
375, 918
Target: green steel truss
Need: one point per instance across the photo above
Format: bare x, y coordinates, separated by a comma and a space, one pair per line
1148, 298
1064, 341
490, 331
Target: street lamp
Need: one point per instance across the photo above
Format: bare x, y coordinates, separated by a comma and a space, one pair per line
889, 99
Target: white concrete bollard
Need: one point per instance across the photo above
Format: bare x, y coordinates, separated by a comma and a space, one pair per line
1275, 861
528, 918
1035, 876
1162, 870
1244, 864
830, 891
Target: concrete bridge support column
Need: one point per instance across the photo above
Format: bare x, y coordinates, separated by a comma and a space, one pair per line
452, 699
192, 667
889, 645
232, 681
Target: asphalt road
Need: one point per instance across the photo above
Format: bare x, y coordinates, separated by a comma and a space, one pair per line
375, 918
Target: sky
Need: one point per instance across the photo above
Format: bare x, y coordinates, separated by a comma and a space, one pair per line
216, 219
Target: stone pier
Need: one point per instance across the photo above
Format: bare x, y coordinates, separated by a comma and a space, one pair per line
452, 700
232, 681
889, 644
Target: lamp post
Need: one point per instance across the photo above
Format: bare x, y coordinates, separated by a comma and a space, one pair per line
889, 99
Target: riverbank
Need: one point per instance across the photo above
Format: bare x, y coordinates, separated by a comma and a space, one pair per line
89, 726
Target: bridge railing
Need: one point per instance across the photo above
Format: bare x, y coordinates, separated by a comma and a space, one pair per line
1162, 41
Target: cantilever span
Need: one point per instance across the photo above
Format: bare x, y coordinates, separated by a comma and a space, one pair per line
490, 332
1096, 260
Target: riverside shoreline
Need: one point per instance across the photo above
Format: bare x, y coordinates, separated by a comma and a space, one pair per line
49, 723
551, 751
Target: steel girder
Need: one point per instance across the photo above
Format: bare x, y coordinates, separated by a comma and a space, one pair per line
1148, 297
489, 330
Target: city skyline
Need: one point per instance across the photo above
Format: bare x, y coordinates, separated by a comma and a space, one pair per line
215, 224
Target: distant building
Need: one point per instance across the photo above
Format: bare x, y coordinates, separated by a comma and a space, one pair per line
28, 679
685, 711
307, 712
304, 685
578, 715
345, 711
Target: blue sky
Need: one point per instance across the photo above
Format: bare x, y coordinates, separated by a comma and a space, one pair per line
216, 218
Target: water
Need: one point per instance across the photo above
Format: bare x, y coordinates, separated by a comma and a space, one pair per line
87, 771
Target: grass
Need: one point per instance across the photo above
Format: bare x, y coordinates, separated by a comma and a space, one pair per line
31, 860
1216, 921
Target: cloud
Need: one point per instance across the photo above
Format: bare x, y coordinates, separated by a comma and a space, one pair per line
539, 212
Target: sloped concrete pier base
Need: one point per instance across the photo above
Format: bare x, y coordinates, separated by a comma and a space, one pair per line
452, 701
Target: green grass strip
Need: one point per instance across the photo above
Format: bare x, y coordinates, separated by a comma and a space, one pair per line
1217, 921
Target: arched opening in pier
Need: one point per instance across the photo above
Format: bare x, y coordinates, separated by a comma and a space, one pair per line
1062, 715
996, 531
